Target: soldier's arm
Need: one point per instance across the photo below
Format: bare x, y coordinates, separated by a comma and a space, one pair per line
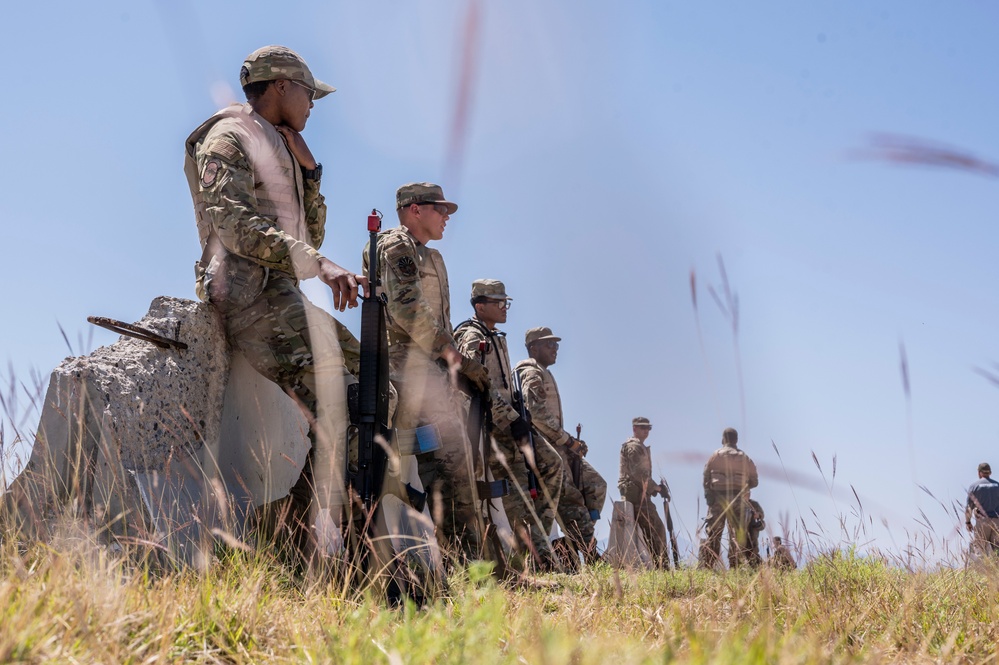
315, 213
313, 202
754, 477
226, 182
407, 307
537, 403
626, 481
468, 340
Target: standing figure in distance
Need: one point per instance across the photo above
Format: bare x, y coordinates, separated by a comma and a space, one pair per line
530, 518
261, 221
983, 504
638, 488
422, 351
728, 476
578, 507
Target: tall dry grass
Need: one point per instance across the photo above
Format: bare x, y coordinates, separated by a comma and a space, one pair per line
73, 601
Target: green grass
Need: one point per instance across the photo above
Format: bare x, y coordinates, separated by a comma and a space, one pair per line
72, 602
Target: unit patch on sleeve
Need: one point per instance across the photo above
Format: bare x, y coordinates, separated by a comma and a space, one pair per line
211, 172
406, 266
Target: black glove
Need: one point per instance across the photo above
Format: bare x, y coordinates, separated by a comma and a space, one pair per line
520, 428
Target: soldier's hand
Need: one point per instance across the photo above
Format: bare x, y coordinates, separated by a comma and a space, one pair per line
475, 372
298, 147
342, 282
520, 428
578, 446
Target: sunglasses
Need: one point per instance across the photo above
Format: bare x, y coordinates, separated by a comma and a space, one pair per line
439, 207
502, 304
311, 91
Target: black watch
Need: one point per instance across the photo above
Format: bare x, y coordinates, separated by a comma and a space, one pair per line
313, 174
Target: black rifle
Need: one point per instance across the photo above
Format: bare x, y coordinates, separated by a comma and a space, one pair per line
373, 388
576, 460
521, 406
673, 545
480, 425
375, 439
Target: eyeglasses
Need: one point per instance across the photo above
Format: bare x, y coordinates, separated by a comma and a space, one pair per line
311, 91
439, 207
502, 304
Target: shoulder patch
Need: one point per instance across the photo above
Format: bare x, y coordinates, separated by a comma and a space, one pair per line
210, 173
406, 266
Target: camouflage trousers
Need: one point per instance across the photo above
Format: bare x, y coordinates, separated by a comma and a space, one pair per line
528, 517
753, 556
729, 508
575, 504
290, 341
426, 397
654, 531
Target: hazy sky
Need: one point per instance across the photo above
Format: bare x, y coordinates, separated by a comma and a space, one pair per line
611, 149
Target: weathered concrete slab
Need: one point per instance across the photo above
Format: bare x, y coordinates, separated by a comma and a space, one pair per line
626, 546
262, 444
128, 408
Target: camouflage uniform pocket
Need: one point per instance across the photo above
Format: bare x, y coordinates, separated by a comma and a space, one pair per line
232, 283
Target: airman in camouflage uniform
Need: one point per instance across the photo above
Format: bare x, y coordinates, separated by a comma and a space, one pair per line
531, 519
261, 221
638, 488
422, 351
755, 524
781, 558
728, 476
578, 507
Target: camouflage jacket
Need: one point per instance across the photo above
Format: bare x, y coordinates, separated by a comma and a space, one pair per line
414, 280
497, 361
254, 209
543, 401
635, 482
729, 470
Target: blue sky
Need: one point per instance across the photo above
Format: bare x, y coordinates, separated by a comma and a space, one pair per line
611, 150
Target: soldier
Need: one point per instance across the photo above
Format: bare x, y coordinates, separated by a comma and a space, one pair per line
261, 220
983, 503
638, 488
530, 519
781, 558
728, 477
754, 527
578, 507
422, 351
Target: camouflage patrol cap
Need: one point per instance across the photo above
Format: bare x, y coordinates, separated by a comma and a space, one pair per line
539, 334
489, 288
641, 421
422, 192
271, 63
985, 468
